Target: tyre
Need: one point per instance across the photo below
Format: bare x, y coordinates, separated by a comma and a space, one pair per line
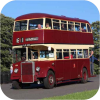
49, 81
16, 85
84, 76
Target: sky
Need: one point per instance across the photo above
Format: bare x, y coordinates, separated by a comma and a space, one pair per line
74, 9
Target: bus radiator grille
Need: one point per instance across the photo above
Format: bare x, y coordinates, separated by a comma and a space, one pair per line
27, 69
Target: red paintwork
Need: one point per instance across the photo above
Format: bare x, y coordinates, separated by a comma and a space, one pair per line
63, 69
54, 37
28, 34
67, 37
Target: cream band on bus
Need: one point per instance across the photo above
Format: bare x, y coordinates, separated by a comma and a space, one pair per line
57, 52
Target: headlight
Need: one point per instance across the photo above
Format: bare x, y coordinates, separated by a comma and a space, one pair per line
16, 70
37, 69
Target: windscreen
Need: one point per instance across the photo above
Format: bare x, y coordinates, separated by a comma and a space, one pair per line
19, 55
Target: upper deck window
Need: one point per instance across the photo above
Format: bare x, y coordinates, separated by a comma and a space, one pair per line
21, 25
71, 26
56, 24
77, 26
83, 27
48, 24
63, 25
35, 24
88, 28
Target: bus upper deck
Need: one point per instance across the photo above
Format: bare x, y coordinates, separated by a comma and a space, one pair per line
32, 29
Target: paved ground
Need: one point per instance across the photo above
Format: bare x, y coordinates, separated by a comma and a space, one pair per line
38, 91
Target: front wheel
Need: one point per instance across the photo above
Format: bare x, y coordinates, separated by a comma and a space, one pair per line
84, 76
16, 85
49, 81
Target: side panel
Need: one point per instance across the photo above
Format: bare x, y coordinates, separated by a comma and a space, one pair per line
44, 67
71, 69
28, 34
52, 37
67, 69
83, 63
74, 68
68, 37
59, 70
18, 75
63, 69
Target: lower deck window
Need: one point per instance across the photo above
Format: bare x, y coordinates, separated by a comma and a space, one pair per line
79, 53
66, 54
46, 54
59, 53
73, 53
85, 53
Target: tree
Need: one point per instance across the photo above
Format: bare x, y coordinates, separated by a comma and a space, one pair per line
96, 36
6, 41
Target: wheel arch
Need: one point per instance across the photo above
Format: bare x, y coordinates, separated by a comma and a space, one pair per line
51, 70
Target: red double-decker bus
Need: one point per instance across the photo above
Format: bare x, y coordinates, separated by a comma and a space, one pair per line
50, 49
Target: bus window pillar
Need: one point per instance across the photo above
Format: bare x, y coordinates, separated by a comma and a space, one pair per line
31, 54
14, 27
55, 54
62, 54
52, 23
27, 24
44, 23
69, 54
82, 54
88, 52
38, 54
26, 53
60, 24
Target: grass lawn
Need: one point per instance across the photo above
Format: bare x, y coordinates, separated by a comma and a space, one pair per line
78, 95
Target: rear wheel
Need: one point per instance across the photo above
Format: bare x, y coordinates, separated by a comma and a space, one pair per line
16, 85
84, 76
49, 81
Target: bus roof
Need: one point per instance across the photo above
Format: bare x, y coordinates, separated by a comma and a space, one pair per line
41, 15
